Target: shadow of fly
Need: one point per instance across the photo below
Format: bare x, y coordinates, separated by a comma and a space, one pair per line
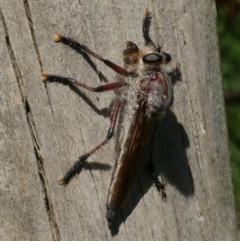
144, 89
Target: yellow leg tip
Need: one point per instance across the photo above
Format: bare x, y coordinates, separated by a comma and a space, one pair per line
62, 181
146, 12
57, 38
177, 66
44, 77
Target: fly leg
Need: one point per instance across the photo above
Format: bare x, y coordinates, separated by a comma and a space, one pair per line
166, 57
67, 81
175, 74
76, 168
146, 27
160, 187
82, 48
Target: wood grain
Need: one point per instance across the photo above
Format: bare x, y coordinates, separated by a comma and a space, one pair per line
45, 127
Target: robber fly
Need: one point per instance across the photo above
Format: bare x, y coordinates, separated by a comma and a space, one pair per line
144, 92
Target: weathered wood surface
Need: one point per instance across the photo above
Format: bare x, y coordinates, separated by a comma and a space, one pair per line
44, 128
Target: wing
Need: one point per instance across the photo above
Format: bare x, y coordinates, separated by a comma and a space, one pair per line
130, 164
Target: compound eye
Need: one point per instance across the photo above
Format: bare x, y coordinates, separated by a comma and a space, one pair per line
152, 58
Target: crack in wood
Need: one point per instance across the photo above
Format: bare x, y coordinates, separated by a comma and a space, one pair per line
34, 40
33, 131
29, 17
14, 61
42, 176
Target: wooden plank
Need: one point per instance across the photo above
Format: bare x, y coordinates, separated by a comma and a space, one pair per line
23, 201
56, 125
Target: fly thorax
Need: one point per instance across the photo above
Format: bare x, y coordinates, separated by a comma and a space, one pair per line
159, 95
